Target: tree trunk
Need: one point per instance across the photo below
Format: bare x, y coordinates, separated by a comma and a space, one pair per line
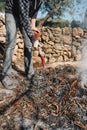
49, 14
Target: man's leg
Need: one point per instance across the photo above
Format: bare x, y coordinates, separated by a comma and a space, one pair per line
11, 33
29, 71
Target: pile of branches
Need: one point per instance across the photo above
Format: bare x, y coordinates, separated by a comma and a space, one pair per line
54, 100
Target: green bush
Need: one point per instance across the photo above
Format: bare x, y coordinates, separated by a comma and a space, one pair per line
2, 5
58, 23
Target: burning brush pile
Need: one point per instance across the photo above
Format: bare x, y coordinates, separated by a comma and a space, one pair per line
55, 100
59, 99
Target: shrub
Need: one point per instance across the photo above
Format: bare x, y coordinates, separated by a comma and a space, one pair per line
2, 5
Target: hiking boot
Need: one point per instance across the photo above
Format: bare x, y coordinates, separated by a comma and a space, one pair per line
9, 83
33, 79
29, 77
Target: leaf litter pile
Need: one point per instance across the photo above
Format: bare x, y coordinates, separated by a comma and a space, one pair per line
54, 100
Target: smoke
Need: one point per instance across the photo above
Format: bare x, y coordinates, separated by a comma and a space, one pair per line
83, 64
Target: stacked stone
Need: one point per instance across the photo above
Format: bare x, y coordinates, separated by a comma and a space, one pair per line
62, 44
58, 44
18, 52
2, 30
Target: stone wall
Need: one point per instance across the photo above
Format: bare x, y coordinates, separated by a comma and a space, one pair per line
62, 44
58, 44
